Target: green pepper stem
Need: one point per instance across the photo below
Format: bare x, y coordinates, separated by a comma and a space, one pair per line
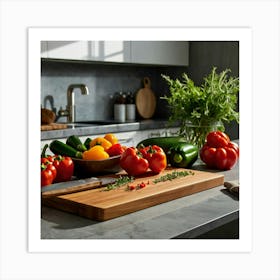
79, 154
43, 154
177, 158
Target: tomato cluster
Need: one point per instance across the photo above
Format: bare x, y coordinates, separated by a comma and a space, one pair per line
137, 161
219, 152
56, 169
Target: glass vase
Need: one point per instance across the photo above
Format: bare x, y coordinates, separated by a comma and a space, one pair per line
196, 133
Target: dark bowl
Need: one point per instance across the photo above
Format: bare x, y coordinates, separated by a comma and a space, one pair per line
88, 168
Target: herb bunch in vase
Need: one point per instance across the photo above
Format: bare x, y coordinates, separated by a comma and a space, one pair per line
204, 108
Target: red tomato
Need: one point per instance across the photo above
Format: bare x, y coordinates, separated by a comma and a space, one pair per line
48, 174
218, 152
217, 139
51, 167
133, 162
115, 150
232, 157
234, 146
65, 168
156, 158
221, 158
46, 177
207, 155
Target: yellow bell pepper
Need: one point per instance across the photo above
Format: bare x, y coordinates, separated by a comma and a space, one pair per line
100, 141
95, 153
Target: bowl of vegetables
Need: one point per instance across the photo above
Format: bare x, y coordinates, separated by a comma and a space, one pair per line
95, 156
87, 168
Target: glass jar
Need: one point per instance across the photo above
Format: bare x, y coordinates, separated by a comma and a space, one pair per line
196, 133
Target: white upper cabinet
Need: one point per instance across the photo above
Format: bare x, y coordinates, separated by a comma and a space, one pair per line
160, 52
67, 49
111, 51
77, 50
140, 52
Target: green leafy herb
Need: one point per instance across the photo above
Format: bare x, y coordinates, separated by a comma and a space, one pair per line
196, 108
173, 175
122, 180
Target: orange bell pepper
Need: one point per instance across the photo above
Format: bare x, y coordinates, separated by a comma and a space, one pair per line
111, 138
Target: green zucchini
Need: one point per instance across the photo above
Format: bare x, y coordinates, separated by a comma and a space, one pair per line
75, 142
179, 152
60, 148
164, 142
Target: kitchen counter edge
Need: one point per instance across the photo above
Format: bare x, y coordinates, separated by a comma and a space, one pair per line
106, 128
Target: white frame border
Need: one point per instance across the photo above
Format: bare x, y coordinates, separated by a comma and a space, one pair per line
241, 34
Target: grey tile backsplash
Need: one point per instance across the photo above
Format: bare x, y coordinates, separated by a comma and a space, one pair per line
103, 81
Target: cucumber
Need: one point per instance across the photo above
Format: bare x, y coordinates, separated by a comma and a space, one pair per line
75, 142
60, 148
164, 142
179, 152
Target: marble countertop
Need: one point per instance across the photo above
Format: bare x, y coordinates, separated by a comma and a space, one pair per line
186, 217
82, 130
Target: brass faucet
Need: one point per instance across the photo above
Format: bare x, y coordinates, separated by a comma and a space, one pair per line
70, 111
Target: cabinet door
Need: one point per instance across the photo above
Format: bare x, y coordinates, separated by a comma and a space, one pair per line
142, 52
160, 52
108, 51
68, 50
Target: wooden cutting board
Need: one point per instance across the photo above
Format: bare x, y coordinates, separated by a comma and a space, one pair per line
145, 100
101, 205
53, 126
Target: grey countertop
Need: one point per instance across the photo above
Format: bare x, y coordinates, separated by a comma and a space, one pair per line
102, 128
186, 217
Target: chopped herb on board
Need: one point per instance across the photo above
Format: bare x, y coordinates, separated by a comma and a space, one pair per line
119, 182
173, 175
